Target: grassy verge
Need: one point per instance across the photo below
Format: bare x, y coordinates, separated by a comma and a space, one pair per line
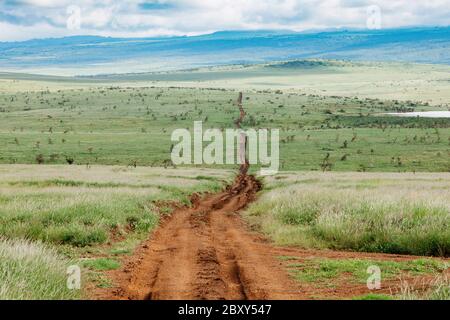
328, 274
79, 213
406, 214
439, 289
321, 271
30, 271
91, 216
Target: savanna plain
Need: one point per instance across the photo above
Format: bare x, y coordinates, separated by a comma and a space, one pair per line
87, 180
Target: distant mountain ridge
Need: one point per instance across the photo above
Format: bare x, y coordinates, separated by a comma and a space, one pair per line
93, 54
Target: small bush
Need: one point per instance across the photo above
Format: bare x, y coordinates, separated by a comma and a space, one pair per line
40, 159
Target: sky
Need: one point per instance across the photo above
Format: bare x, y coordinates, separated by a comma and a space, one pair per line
29, 19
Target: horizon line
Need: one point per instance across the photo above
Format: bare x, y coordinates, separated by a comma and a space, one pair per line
286, 31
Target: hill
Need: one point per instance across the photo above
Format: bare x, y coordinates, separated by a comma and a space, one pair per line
93, 55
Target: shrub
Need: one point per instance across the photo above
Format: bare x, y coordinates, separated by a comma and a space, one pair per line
40, 159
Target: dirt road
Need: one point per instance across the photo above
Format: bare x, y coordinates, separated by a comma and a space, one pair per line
205, 252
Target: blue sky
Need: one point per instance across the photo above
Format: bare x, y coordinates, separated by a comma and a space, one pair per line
28, 19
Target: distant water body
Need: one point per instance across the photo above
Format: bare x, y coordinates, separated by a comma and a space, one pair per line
425, 114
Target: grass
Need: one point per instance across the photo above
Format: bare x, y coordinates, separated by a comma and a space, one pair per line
331, 273
82, 213
391, 213
75, 216
438, 289
74, 212
32, 271
321, 271
118, 124
76, 204
102, 264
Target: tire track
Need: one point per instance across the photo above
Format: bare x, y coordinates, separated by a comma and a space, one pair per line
205, 252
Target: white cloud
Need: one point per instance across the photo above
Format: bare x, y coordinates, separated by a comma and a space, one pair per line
25, 19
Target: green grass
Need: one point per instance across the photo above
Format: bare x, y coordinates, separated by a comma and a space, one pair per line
439, 290
101, 212
33, 271
83, 213
79, 209
321, 271
127, 126
391, 213
102, 264
120, 251
85, 220
101, 280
